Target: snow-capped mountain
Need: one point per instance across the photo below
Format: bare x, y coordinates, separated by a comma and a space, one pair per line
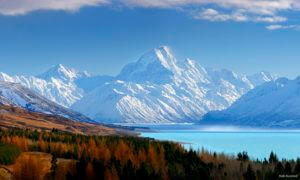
158, 89
155, 89
57, 84
62, 73
273, 104
15, 94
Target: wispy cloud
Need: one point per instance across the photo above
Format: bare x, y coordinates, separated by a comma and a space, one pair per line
280, 27
238, 16
271, 19
214, 15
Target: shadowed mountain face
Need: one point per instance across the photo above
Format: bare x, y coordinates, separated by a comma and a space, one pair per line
16, 95
273, 104
155, 89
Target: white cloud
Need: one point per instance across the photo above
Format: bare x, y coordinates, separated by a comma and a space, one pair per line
261, 7
264, 11
214, 15
268, 7
238, 16
271, 19
21, 7
279, 27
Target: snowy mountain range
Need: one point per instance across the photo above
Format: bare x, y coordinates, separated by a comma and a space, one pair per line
14, 94
273, 104
155, 89
158, 89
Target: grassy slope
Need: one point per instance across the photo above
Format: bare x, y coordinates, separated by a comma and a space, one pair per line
20, 118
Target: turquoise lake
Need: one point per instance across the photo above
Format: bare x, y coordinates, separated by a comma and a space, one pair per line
257, 142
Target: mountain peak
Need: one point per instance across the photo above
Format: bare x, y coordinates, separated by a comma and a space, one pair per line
62, 68
59, 68
157, 65
162, 54
261, 77
165, 49
61, 72
5, 77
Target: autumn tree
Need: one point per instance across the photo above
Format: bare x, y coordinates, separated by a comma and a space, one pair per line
53, 166
89, 172
26, 168
111, 174
152, 158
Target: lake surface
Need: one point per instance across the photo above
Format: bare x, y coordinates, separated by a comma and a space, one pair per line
231, 140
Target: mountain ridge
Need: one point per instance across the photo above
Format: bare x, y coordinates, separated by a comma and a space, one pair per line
155, 89
273, 104
159, 89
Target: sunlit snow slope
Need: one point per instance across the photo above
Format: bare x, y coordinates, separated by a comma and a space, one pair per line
158, 89
273, 104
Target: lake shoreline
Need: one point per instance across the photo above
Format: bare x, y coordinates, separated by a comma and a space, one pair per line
258, 143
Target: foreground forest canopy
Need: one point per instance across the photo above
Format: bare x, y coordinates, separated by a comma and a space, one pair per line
27, 154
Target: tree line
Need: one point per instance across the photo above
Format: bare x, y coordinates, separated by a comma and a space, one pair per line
117, 158
111, 157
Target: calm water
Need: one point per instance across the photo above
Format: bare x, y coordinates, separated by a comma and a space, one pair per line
257, 142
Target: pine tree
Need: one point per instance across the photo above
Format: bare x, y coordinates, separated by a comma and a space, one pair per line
249, 174
288, 168
279, 169
297, 166
273, 158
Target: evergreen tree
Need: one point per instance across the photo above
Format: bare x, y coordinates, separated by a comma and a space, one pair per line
287, 168
249, 174
243, 156
297, 166
279, 169
273, 158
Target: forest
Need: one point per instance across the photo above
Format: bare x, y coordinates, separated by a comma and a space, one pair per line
35, 155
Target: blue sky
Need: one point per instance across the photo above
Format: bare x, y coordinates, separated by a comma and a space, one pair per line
101, 36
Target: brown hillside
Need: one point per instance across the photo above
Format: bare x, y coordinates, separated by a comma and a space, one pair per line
23, 119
